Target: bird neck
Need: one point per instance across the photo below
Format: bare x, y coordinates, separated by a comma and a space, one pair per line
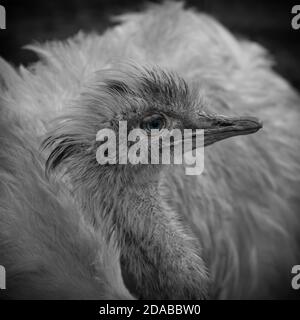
160, 259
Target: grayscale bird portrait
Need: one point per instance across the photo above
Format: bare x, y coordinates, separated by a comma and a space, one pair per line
149, 150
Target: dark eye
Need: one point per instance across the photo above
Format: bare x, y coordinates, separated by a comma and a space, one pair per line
152, 122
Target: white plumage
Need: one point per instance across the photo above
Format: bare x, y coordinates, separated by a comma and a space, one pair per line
244, 208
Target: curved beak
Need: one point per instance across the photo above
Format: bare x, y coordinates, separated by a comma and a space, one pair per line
217, 128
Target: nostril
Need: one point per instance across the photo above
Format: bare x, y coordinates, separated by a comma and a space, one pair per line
220, 123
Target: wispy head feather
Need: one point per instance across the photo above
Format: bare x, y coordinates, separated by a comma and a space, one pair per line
110, 96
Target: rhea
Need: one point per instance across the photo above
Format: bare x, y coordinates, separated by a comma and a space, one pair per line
156, 250
141, 230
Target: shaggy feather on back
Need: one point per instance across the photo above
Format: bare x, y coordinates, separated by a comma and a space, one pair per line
48, 249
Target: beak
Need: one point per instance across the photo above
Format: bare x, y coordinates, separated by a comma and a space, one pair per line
217, 128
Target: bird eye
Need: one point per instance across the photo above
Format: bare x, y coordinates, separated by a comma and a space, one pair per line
156, 121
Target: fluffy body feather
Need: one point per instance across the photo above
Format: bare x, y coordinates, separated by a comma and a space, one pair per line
244, 209
48, 250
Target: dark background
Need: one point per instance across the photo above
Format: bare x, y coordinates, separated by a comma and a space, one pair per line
267, 22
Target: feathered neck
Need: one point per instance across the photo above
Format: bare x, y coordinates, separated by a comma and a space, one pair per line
160, 257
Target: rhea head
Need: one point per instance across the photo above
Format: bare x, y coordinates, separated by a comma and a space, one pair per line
159, 255
149, 99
